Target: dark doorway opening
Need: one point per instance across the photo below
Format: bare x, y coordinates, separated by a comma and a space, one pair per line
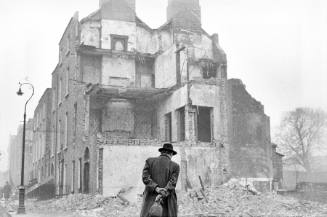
61, 177
86, 179
204, 129
168, 128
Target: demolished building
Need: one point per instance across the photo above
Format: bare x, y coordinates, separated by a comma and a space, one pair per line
121, 89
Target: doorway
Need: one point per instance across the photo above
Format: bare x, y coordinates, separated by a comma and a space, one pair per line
86, 179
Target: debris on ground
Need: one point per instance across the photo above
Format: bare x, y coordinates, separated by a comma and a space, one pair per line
230, 199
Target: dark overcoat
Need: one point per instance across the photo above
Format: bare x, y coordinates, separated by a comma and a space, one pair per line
160, 172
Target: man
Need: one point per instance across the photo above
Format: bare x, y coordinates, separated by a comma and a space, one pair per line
160, 176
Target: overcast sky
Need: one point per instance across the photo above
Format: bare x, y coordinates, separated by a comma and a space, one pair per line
277, 47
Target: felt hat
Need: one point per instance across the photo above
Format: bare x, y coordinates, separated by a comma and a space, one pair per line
168, 147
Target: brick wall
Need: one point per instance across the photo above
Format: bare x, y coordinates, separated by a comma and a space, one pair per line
249, 134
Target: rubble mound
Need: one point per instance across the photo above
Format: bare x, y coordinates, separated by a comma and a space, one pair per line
230, 199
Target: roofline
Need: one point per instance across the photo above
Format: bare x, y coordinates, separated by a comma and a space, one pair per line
47, 91
57, 66
70, 21
62, 37
143, 23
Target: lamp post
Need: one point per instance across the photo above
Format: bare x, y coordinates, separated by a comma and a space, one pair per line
21, 199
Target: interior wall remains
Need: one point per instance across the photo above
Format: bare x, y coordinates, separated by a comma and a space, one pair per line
122, 167
114, 27
165, 69
118, 71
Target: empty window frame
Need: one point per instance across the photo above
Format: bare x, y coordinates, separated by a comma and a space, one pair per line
119, 42
59, 136
209, 69
168, 128
66, 131
73, 177
181, 124
204, 124
75, 121
60, 90
67, 81
79, 175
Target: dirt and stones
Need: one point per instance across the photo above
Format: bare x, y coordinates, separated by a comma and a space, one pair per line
230, 199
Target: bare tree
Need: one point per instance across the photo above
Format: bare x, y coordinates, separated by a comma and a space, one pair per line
301, 131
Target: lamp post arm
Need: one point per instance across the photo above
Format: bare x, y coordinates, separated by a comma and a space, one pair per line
21, 84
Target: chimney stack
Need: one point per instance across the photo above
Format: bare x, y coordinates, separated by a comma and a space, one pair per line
185, 14
131, 3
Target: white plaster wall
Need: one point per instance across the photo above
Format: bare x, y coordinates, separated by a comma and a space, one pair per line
177, 100
204, 95
204, 162
123, 165
146, 41
118, 71
118, 28
165, 69
203, 48
183, 66
90, 34
200, 46
166, 40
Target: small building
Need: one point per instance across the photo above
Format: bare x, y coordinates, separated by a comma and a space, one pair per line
277, 160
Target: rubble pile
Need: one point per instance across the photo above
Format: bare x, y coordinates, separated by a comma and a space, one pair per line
230, 199
73, 203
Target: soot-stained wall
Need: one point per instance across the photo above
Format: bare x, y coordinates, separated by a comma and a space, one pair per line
249, 134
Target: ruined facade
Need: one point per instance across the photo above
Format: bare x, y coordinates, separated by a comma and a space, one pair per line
121, 89
249, 134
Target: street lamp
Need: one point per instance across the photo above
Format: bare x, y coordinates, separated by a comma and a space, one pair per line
21, 199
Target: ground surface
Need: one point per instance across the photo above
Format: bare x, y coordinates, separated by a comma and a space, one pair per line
230, 199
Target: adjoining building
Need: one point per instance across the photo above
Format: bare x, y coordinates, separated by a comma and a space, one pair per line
42, 183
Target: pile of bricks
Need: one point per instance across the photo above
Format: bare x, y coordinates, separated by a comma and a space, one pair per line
230, 199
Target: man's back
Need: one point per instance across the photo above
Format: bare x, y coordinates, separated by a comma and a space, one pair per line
161, 169
160, 173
